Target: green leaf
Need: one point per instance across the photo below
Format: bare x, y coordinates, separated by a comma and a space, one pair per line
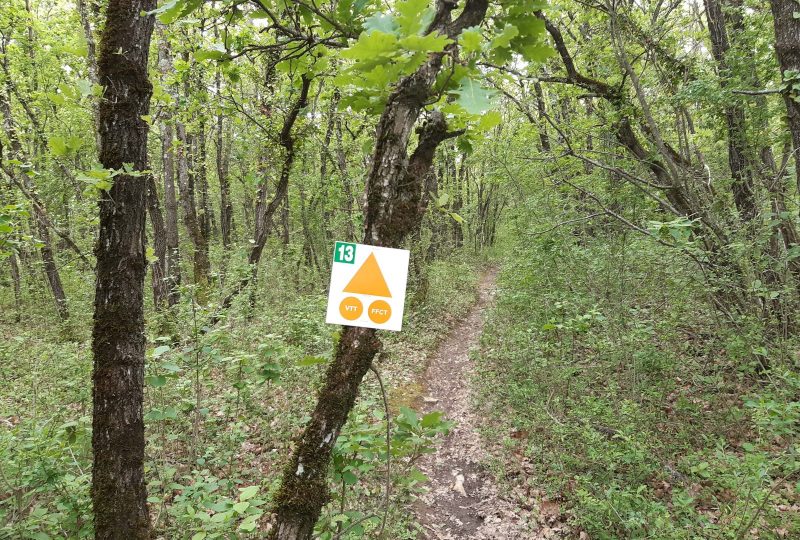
311, 361
154, 415
349, 478
381, 22
156, 381
84, 87
537, 53
172, 10
249, 523
58, 146
248, 493
489, 120
240, 507
160, 350
432, 419
172, 368
471, 39
56, 98
214, 53
199, 536
372, 49
428, 43
409, 415
412, 16
473, 97
456, 217
503, 39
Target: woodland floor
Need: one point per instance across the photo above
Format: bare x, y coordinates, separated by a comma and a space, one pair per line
462, 501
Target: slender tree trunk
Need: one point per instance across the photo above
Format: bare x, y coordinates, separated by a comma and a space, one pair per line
739, 152
51, 268
201, 167
225, 206
393, 209
544, 138
158, 268
15, 278
91, 57
341, 162
201, 263
119, 494
787, 48
173, 258
171, 222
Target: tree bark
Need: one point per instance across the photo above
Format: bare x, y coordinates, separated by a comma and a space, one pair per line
161, 288
171, 221
173, 259
15, 278
201, 263
739, 154
787, 48
119, 493
393, 194
225, 206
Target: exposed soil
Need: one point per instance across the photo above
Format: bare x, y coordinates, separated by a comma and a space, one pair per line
462, 501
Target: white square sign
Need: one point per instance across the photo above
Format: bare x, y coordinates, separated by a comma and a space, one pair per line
368, 286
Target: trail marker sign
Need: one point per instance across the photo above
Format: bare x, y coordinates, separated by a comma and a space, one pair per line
368, 286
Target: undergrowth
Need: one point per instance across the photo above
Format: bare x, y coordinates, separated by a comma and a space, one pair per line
622, 400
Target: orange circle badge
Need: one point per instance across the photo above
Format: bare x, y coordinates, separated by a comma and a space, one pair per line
351, 308
379, 312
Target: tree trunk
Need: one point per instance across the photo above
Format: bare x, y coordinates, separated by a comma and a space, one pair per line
171, 222
91, 61
14, 267
173, 260
739, 154
341, 162
265, 212
787, 48
225, 206
158, 268
394, 207
202, 176
201, 263
119, 493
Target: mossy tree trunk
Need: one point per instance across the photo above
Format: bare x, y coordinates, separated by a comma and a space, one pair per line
119, 493
393, 210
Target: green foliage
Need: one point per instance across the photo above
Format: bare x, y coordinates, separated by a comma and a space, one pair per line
619, 413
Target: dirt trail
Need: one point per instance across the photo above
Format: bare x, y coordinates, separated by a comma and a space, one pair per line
462, 502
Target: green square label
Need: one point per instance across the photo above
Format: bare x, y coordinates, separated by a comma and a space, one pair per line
344, 253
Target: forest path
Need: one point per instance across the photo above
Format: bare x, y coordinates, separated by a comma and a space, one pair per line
462, 502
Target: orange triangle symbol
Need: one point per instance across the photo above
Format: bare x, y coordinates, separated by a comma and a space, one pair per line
369, 279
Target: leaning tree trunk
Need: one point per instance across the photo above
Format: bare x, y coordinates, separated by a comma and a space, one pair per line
787, 47
119, 491
394, 188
